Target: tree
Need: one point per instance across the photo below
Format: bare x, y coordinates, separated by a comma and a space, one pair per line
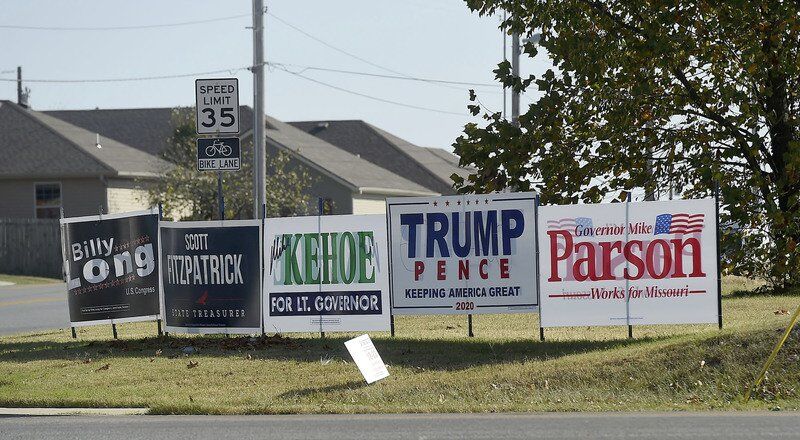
189, 194
658, 94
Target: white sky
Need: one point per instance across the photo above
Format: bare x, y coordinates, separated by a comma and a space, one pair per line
439, 39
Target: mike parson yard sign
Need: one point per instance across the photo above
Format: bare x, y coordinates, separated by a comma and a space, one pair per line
463, 254
647, 263
326, 273
211, 276
111, 266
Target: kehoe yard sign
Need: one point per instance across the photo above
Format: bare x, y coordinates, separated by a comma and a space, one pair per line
326, 273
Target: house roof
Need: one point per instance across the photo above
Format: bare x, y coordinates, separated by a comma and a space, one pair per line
429, 167
44, 146
149, 130
146, 129
360, 173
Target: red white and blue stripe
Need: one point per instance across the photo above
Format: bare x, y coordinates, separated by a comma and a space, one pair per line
678, 223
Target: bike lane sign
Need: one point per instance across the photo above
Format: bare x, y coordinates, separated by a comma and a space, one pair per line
219, 154
217, 103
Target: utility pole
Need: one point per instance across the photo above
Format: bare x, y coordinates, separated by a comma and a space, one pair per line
22, 93
505, 58
515, 49
259, 139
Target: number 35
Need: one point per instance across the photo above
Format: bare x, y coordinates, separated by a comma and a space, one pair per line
225, 114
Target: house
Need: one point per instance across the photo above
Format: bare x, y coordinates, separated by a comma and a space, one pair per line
48, 165
59, 164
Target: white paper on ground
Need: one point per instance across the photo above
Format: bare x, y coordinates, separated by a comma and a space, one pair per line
367, 359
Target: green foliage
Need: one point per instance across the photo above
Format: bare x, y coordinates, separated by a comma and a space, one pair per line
189, 194
656, 94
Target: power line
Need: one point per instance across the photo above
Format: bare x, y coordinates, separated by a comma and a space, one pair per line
379, 75
233, 71
374, 98
116, 28
326, 44
137, 78
350, 54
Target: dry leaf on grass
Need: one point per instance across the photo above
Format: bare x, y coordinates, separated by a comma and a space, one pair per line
781, 312
192, 364
104, 367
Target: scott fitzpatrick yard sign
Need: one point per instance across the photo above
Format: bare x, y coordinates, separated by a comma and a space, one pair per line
326, 273
463, 254
211, 276
629, 263
111, 267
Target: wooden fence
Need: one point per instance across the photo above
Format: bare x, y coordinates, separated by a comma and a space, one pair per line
30, 247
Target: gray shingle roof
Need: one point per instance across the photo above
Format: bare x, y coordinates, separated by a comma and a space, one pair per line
429, 167
44, 146
358, 172
148, 129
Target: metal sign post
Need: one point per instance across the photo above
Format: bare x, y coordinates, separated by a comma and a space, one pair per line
220, 196
217, 111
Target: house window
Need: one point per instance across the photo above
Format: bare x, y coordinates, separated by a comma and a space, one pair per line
48, 200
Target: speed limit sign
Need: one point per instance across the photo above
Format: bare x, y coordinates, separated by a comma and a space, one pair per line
217, 105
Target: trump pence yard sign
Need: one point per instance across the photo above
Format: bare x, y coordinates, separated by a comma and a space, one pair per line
463, 254
636, 263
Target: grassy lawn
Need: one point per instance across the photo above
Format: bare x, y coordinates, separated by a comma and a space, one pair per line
21, 279
434, 367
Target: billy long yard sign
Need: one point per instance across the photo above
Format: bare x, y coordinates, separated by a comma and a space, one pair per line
211, 276
635, 263
111, 267
326, 273
463, 254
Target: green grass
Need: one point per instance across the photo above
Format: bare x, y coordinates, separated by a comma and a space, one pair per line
22, 279
434, 367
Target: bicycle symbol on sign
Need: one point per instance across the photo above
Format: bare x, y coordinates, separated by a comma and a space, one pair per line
218, 147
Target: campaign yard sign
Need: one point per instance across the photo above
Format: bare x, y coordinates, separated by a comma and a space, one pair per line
326, 273
367, 358
111, 266
644, 263
211, 276
463, 254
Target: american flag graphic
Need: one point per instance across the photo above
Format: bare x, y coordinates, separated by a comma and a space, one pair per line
564, 223
570, 223
678, 223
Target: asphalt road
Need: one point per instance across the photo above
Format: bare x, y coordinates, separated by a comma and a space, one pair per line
385, 427
33, 307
